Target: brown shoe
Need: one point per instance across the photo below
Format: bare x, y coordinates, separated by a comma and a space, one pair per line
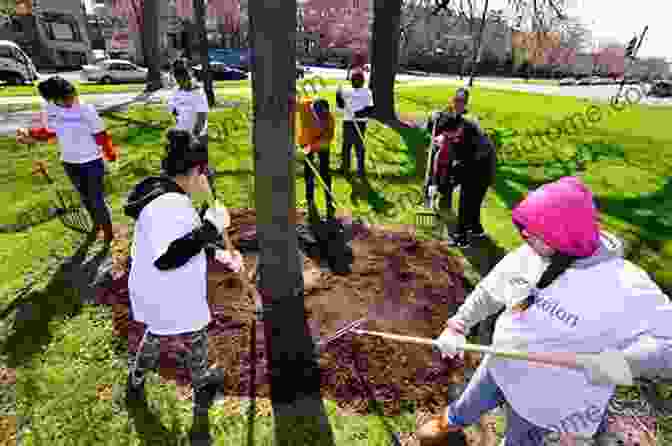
438, 432
108, 233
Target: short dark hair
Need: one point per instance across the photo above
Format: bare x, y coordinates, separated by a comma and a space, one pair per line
180, 68
321, 105
56, 88
183, 153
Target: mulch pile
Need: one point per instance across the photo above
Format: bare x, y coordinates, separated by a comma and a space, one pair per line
402, 285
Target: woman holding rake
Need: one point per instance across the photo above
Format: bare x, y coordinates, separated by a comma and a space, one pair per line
567, 289
80, 132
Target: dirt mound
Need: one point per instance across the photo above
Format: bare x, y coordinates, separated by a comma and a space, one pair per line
402, 285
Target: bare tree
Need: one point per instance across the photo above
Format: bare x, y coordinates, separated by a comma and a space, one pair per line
199, 13
299, 414
150, 44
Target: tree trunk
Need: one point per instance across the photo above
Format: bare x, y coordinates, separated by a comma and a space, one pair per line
299, 413
199, 15
150, 44
385, 56
477, 50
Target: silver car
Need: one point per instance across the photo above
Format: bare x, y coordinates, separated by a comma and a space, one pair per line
117, 71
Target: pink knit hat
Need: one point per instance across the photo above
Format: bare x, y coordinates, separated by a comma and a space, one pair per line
563, 214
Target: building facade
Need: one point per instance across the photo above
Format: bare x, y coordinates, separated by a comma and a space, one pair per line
52, 32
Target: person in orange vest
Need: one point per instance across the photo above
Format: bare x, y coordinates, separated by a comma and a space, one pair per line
315, 134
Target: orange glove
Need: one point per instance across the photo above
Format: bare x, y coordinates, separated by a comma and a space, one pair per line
110, 151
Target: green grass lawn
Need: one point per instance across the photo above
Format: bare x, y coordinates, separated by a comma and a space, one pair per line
64, 363
92, 88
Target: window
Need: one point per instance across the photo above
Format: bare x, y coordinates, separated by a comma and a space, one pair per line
172, 40
17, 26
6, 52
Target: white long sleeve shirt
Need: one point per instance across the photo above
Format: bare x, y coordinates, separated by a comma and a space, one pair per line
600, 303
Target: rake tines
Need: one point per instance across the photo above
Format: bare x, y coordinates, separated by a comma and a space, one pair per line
70, 212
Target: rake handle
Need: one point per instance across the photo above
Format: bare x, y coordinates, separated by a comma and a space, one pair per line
322, 182
555, 359
248, 288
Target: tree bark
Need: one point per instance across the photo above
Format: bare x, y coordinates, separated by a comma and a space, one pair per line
150, 44
299, 413
477, 50
199, 14
385, 56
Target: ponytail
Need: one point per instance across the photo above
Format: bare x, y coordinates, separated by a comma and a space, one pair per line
559, 264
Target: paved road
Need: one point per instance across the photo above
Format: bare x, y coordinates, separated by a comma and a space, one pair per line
10, 119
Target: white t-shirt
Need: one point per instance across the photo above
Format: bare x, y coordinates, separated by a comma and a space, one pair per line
355, 100
75, 129
174, 301
187, 104
586, 310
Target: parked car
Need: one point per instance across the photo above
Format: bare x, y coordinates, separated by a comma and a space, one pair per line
99, 56
301, 70
117, 71
661, 89
567, 81
16, 68
220, 72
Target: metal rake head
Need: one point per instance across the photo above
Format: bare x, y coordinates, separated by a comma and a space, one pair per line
73, 215
427, 220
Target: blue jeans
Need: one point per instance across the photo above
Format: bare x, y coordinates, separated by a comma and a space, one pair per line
88, 180
483, 395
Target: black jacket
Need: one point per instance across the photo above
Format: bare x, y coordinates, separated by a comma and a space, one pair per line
184, 248
476, 145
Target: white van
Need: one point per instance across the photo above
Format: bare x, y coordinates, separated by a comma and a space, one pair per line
16, 68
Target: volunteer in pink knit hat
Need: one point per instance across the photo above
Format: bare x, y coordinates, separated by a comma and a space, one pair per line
563, 215
568, 290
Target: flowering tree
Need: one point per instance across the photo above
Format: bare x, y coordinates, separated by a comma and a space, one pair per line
340, 24
610, 59
143, 16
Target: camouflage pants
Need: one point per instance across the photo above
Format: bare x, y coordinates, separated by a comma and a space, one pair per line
196, 358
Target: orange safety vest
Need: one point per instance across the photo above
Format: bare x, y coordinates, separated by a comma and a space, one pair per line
309, 133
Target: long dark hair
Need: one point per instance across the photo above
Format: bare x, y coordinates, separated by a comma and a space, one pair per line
559, 264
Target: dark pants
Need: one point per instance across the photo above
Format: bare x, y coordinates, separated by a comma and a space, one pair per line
474, 179
211, 172
309, 177
88, 180
350, 138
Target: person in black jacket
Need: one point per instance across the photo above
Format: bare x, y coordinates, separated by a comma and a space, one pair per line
168, 276
467, 157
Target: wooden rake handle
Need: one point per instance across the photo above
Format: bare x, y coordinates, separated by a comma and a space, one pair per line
248, 288
555, 359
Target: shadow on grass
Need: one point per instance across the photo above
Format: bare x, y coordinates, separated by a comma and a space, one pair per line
65, 294
299, 414
150, 429
483, 254
650, 212
362, 189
